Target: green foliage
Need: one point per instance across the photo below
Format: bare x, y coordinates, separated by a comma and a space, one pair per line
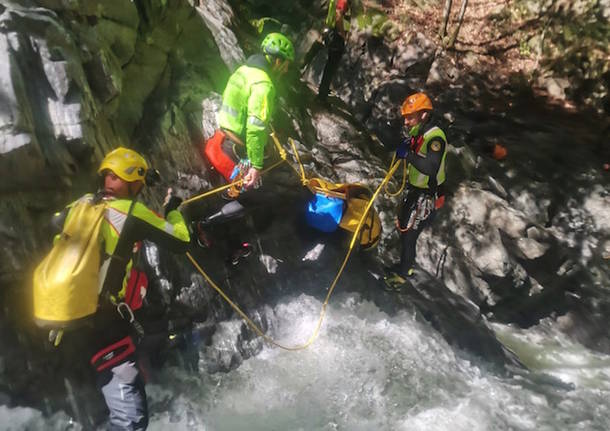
524, 48
574, 38
266, 25
376, 22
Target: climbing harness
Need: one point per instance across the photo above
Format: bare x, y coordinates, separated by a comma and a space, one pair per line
113, 355
126, 313
423, 207
356, 230
236, 183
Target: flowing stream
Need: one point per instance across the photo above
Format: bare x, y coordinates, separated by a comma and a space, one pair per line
369, 370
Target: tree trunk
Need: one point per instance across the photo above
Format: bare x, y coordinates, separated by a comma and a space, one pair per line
443, 29
459, 24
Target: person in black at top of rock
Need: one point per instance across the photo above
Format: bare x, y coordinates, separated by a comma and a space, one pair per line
334, 35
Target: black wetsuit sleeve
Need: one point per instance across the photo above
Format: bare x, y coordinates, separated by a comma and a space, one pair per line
135, 230
430, 164
139, 230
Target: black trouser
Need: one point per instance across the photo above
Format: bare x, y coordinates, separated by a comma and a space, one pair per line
311, 54
248, 201
336, 47
411, 224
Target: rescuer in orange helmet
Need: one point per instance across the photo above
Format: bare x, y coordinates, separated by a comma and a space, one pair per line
424, 149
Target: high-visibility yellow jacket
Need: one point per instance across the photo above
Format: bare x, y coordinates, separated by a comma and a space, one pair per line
418, 178
119, 233
247, 105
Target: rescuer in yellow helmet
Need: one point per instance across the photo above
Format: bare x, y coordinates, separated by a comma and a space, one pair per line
111, 329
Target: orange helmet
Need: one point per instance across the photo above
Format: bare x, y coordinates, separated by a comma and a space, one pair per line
416, 102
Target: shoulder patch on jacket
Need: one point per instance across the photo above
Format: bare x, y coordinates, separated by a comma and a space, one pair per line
435, 145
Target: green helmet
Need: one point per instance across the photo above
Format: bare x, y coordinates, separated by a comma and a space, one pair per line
278, 45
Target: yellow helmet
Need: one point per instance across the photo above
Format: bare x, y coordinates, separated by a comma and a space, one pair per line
125, 164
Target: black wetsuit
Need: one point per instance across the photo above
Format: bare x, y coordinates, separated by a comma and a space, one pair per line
336, 47
418, 205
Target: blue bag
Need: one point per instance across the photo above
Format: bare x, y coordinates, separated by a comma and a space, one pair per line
324, 212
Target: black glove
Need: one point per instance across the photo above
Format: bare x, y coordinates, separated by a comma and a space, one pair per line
172, 203
404, 149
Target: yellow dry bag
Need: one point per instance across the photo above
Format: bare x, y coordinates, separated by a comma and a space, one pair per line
371, 227
356, 198
66, 283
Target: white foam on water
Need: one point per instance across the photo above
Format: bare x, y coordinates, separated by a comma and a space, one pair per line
370, 371
29, 419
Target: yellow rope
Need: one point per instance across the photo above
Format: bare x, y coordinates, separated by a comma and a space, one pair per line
404, 179
316, 331
237, 183
304, 179
301, 172
280, 150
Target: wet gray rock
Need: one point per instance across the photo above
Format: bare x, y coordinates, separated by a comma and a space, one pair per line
555, 86
443, 70
219, 17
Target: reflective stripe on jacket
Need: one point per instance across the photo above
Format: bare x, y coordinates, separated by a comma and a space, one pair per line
116, 216
118, 236
419, 179
247, 105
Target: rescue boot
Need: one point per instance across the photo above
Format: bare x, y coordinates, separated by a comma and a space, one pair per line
393, 282
398, 269
201, 236
395, 279
244, 250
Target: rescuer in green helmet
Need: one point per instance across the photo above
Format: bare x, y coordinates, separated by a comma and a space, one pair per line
236, 150
247, 106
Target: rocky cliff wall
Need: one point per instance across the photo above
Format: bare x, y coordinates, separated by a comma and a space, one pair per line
81, 78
